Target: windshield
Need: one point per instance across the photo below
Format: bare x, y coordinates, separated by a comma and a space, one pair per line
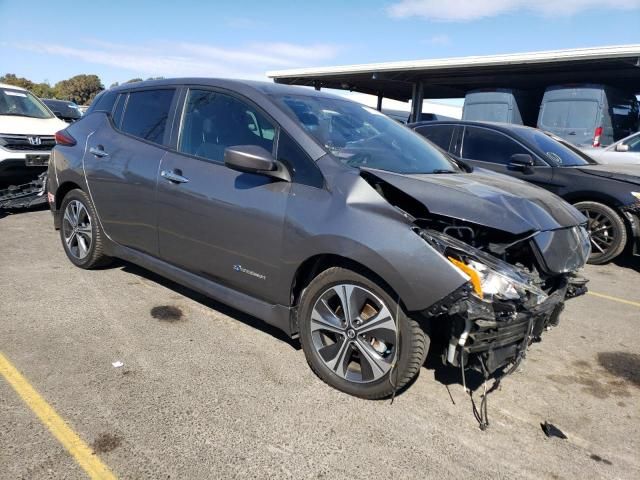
21, 103
557, 153
359, 136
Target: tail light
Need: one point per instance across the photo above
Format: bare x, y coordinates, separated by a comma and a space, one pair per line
596, 136
64, 138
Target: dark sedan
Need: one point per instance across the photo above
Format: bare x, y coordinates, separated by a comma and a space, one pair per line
63, 109
608, 195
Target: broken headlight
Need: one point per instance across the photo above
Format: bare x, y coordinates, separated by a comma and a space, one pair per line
491, 278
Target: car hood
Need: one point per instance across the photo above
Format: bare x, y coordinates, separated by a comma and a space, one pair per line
622, 172
14, 125
487, 198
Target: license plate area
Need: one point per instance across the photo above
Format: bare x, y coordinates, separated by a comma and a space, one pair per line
36, 160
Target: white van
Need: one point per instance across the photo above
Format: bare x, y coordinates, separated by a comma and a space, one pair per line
27, 135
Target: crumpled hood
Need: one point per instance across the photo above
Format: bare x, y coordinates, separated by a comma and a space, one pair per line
622, 172
15, 125
487, 198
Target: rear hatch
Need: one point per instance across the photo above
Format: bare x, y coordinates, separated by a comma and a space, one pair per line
573, 114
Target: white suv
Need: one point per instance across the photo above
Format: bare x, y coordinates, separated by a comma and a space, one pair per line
27, 135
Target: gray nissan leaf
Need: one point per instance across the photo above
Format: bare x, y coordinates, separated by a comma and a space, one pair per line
322, 217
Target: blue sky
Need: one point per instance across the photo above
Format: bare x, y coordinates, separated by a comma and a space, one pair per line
119, 40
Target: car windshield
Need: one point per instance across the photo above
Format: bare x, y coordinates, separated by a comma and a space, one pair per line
22, 104
557, 153
360, 136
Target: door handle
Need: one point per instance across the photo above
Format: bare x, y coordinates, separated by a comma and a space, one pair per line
175, 176
98, 151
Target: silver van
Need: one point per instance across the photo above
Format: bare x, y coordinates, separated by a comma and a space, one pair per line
588, 115
501, 105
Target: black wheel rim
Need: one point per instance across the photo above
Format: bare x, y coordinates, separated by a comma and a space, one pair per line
602, 231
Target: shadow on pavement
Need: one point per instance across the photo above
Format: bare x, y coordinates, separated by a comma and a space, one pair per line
208, 302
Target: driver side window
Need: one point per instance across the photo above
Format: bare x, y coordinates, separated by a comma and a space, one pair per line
489, 146
213, 121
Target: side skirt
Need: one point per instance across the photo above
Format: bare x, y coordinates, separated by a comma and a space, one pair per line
278, 316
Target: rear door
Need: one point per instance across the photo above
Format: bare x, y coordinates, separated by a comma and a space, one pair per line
491, 149
216, 222
121, 165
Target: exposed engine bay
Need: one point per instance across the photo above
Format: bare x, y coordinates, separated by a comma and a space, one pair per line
516, 289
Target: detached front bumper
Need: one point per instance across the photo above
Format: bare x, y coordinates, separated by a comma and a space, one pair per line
26, 195
487, 336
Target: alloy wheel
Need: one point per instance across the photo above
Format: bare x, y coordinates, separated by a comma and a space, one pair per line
354, 333
76, 228
601, 230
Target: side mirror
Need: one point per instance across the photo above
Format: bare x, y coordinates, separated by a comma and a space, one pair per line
621, 147
254, 159
521, 161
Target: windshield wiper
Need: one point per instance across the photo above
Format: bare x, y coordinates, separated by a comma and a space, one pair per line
443, 170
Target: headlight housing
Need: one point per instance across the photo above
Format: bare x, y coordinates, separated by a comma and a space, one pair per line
636, 195
491, 278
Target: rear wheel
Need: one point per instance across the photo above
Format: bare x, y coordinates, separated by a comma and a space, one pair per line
606, 229
80, 231
356, 338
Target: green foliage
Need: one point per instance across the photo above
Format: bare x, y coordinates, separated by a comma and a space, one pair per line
80, 89
41, 90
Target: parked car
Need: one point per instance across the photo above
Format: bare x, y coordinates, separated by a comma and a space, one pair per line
501, 105
63, 109
321, 216
403, 117
626, 150
27, 130
588, 115
608, 195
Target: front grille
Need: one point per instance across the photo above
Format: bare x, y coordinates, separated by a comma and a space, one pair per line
21, 143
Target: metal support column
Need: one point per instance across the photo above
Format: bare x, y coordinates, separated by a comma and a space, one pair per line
379, 106
417, 96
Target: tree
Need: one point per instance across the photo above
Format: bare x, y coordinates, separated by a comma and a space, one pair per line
80, 89
12, 79
42, 90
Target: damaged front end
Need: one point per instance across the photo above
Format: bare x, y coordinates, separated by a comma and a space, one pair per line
505, 306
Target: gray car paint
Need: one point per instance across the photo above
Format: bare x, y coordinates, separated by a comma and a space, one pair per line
225, 218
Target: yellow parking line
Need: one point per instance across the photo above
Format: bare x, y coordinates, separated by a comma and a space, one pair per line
82, 453
615, 299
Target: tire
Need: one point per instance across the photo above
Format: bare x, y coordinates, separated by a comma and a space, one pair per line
80, 232
381, 348
607, 230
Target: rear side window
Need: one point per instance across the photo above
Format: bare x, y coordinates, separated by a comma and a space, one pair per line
147, 113
104, 103
438, 134
213, 121
489, 146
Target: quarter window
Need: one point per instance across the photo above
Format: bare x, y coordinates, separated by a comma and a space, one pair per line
489, 146
300, 166
438, 134
147, 113
213, 121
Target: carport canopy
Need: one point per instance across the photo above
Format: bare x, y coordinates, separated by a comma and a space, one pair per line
617, 66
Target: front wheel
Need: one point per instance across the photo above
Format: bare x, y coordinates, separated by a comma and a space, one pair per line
606, 230
355, 336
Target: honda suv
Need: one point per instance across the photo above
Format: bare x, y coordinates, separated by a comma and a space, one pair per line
27, 129
322, 217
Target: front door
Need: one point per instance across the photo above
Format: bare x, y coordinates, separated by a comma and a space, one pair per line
213, 221
486, 148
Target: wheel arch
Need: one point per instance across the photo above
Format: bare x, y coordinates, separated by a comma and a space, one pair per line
63, 190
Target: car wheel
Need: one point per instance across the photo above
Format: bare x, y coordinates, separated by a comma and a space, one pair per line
606, 229
355, 336
80, 231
